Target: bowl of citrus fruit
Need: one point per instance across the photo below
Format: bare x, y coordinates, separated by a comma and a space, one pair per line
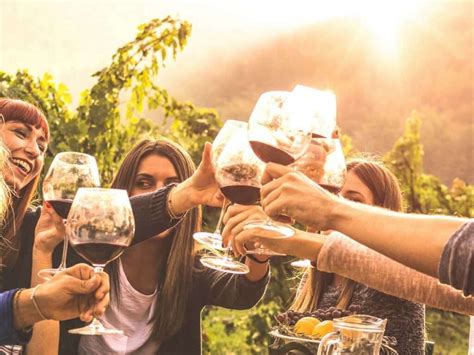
308, 328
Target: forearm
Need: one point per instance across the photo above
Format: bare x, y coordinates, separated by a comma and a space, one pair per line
345, 257
416, 241
45, 339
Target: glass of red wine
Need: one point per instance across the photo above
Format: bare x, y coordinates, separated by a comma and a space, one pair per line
100, 226
208, 239
238, 173
67, 173
324, 163
279, 132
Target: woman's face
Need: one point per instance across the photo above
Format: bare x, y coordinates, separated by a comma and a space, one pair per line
355, 190
27, 145
154, 172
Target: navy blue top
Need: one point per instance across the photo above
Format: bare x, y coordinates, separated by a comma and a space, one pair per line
8, 334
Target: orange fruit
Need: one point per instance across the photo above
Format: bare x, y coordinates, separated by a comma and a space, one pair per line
323, 328
306, 325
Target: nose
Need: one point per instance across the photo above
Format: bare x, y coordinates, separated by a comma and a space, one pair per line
32, 149
159, 185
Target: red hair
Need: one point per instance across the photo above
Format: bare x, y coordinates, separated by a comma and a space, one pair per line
21, 111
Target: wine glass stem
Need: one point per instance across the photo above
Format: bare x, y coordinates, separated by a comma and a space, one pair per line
221, 217
64, 256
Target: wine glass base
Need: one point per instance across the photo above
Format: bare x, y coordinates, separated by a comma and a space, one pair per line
281, 230
225, 265
212, 240
48, 274
301, 263
263, 251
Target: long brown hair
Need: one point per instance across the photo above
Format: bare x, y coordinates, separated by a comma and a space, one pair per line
20, 111
386, 192
174, 287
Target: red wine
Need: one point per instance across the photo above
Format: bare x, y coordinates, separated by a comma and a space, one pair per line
99, 253
241, 194
61, 206
331, 188
268, 153
315, 135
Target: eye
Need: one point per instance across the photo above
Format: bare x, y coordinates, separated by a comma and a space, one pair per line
20, 133
143, 184
42, 147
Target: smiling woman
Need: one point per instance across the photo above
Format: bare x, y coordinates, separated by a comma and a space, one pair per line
25, 133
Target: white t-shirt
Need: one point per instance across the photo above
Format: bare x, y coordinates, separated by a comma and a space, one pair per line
132, 316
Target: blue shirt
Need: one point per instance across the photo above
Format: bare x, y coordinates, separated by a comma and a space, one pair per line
8, 334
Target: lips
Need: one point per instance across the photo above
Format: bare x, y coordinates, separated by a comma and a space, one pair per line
23, 165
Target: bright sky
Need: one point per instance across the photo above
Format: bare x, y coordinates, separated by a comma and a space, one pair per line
73, 38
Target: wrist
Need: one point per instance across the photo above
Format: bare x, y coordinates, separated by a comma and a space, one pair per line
24, 311
182, 198
338, 212
43, 249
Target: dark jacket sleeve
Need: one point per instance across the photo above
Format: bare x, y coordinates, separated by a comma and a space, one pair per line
231, 290
151, 215
8, 334
456, 267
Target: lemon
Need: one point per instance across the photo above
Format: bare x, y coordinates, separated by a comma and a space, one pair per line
306, 325
323, 328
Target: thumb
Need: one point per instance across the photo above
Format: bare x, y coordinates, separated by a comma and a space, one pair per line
274, 171
207, 155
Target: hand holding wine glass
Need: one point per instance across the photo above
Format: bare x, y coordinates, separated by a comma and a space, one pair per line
100, 227
238, 173
68, 172
214, 240
279, 132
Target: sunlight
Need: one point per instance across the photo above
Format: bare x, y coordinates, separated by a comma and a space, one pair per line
385, 19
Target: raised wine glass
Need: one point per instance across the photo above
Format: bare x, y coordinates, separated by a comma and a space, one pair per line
100, 226
209, 239
324, 163
280, 132
68, 172
238, 173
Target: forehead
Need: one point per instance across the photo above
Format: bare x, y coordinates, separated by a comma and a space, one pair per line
353, 183
156, 164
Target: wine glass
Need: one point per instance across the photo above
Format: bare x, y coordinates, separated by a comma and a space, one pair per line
238, 173
68, 172
319, 106
214, 240
324, 163
279, 132
100, 226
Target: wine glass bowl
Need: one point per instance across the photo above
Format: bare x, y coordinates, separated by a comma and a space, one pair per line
278, 132
100, 226
68, 172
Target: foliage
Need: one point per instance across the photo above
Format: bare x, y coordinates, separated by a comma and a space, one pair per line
97, 126
106, 128
238, 332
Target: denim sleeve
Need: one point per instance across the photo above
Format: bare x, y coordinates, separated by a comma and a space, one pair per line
8, 334
456, 267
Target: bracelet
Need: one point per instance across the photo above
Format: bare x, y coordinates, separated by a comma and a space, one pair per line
253, 258
169, 206
33, 299
15, 304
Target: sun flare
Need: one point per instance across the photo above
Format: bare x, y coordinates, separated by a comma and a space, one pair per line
386, 19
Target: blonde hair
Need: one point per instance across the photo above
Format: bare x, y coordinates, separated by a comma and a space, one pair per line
387, 194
